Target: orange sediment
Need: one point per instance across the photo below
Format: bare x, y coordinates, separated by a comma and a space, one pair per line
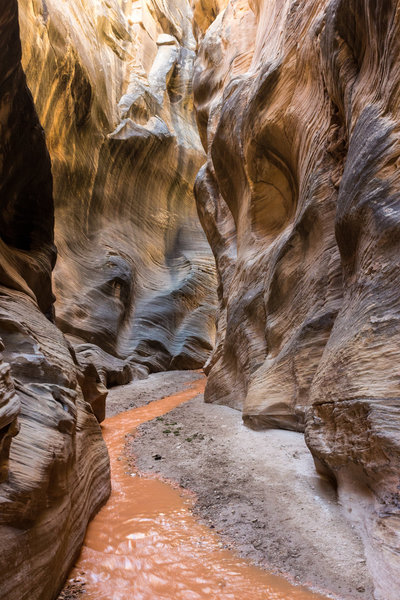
145, 543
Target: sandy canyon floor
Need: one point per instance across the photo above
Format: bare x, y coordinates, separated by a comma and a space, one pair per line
258, 490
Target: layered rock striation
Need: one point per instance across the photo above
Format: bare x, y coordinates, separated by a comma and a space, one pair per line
135, 280
112, 83
54, 469
298, 110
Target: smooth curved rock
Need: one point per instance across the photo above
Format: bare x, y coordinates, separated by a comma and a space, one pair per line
297, 107
112, 84
111, 370
54, 472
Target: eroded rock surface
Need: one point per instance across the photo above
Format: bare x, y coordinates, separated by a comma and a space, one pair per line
54, 470
298, 109
112, 83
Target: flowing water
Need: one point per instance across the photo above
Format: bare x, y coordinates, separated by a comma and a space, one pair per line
146, 545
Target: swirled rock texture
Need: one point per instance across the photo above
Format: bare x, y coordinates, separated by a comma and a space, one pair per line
298, 110
54, 470
112, 83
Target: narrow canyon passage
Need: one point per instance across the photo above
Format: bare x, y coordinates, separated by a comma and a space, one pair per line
146, 545
189, 186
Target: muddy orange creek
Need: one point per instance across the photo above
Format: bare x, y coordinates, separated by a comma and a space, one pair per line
145, 544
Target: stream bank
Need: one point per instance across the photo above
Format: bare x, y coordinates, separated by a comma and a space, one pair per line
257, 490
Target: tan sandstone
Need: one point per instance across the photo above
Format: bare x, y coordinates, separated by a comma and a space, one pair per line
54, 468
112, 85
298, 110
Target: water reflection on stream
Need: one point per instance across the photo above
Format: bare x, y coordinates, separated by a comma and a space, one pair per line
146, 545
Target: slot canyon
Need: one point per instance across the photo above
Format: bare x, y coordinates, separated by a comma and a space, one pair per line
199, 322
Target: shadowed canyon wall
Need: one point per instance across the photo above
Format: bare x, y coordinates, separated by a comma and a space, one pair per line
112, 84
54, 468
298, 110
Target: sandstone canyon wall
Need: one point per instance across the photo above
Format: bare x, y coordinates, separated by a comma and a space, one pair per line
54, 469
112, 84
298, 109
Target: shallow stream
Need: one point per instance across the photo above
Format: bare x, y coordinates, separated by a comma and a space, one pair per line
145, 544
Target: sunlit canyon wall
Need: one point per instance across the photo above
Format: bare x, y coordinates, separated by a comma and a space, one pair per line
298, 109
54, 468
135, 276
